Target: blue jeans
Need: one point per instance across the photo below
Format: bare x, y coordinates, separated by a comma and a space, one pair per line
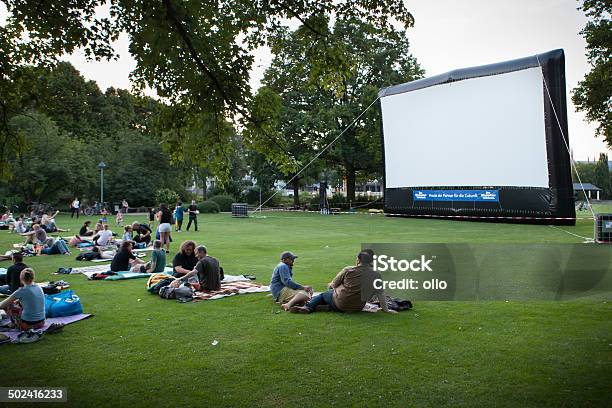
324, 298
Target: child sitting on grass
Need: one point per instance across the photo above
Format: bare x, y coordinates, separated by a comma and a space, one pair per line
26, 306
127, 235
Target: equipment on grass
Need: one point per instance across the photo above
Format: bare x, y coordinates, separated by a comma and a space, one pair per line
603, 228
240, 210
487, 142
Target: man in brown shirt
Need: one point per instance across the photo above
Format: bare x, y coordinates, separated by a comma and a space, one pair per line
352, 287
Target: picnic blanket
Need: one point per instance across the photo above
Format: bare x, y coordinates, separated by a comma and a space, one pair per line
231, 289
89, 271
13, 333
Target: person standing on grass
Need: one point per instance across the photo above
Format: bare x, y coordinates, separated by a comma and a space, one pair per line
164, 216
13, 273
349, 290
151, 218
119, 219
284, 290
26, 306
178, 216
193, 215
185, 260
75, 207
125, 206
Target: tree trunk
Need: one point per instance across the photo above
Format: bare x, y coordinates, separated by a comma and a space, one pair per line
350, 183
296, 192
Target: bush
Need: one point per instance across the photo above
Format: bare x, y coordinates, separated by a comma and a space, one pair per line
165, 195
208, 207
224, 201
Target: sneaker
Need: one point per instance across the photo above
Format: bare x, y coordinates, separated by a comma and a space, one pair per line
29, 336
300, 309
54, 328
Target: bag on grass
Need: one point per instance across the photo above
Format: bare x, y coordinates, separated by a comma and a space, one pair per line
65, 303
167, 292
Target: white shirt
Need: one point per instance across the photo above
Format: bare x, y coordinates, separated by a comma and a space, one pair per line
20, 227
104, 237
75, 204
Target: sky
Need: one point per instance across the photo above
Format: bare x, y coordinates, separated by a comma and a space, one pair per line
448, 34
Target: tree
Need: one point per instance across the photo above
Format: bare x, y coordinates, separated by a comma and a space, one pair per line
317, 108
194, 54
601, 176
593, 95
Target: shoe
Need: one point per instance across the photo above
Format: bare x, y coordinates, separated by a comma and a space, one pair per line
29, 336
55, 328
323, 308
300, 309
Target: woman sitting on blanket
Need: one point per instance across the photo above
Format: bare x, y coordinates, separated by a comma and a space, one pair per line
47, 222
125, 260
26, 306
85, 231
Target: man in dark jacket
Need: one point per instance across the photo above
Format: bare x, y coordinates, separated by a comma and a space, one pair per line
12, 275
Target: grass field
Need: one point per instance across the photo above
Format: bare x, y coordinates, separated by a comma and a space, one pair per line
140, 350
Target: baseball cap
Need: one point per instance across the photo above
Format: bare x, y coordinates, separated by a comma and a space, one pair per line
287, 254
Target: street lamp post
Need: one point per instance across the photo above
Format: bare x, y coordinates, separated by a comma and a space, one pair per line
101, 166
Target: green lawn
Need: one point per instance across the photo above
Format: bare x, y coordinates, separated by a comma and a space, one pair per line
141, 350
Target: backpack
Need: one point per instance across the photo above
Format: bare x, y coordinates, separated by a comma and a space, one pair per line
167, 292
65, 303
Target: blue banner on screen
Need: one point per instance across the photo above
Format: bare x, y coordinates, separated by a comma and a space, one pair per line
456, 195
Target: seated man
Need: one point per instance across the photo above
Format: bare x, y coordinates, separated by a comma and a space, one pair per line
125, 260
104, 237
26, 306
13, 273
158, 259
141, 233
350, 289
284, 290
185, 260
36, 236
207, 270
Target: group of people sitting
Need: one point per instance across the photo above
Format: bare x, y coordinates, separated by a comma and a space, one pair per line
349, 291
192, 265
25, 304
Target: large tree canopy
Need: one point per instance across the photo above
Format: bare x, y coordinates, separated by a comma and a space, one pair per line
593, 95
195, 54
312, 113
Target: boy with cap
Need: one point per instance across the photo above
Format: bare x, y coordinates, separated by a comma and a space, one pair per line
284, 290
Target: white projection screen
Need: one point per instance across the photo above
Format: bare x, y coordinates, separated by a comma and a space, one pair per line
480, 142
456, 134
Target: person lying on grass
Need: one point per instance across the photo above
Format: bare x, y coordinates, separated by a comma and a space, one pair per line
36, 236
207, 271
185, 260
26, 306
54, 247
349, 290
158, 259
125, 260
284, 290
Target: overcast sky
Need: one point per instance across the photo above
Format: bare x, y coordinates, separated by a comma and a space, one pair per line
450, 34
